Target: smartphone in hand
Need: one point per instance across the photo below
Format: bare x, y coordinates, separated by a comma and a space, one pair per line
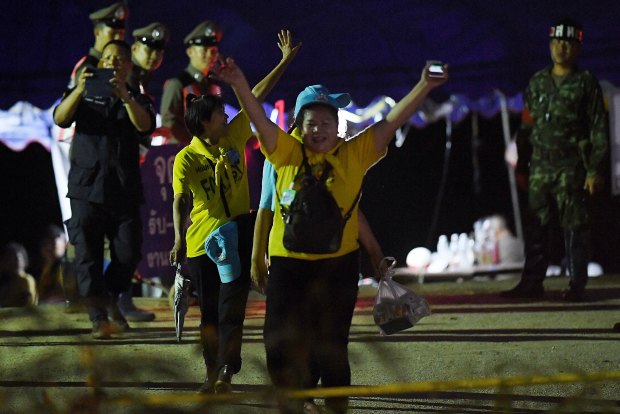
436, 70
99, 84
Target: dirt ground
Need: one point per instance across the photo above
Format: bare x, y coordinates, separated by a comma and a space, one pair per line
49, 363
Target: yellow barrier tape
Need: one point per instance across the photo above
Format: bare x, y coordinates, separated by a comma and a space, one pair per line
388, 389
421, 387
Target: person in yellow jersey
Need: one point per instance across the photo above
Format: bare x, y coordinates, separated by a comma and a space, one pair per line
212, 172
313, 281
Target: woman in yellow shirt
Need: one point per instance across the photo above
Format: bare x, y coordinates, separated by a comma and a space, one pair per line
210, 178
311, 296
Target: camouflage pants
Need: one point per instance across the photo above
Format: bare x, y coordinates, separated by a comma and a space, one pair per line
558, 189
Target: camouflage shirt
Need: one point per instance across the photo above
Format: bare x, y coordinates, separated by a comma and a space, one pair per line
568, 119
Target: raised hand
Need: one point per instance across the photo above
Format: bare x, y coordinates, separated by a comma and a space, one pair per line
285, 44
81, 81
231, 73
120, 85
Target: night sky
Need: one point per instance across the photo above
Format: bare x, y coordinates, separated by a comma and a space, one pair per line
367, 48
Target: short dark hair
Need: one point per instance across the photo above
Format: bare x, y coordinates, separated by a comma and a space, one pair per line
14, 248
121, 44
51, 232
302, 112
199, 109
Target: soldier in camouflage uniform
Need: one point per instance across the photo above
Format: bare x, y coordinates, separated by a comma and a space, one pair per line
563, 138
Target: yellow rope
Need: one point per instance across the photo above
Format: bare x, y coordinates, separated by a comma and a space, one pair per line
374, 390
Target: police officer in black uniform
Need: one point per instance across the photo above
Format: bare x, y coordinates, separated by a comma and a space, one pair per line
104, 183
108, 24
147, 54
201, 46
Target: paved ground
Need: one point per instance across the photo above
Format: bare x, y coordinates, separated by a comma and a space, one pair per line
47, 358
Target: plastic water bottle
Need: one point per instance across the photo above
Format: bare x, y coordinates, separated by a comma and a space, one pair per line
465, 256
443, 248
454, 249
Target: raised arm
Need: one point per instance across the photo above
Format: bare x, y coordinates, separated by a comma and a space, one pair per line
267, 130
64, 112
138, 116
385, 129
262, 88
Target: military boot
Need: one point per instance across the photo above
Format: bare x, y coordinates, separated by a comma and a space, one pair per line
535, 266
577, 251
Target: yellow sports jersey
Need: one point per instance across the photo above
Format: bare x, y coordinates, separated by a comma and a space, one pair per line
203, 171
350, 161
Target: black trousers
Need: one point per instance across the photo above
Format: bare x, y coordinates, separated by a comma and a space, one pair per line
222, 305
88, 227
310, 306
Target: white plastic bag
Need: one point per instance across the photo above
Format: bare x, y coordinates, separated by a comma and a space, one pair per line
396, 307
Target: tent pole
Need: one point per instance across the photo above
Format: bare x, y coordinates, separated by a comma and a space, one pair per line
511, 173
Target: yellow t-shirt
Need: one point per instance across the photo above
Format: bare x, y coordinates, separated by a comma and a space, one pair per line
351, 161
201, 170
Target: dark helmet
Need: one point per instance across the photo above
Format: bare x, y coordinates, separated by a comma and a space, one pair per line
207, 33
566, 29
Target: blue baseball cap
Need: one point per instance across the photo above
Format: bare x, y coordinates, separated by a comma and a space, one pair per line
222, 247
318, 94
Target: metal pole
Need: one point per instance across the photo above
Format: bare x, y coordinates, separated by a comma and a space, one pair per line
516, 211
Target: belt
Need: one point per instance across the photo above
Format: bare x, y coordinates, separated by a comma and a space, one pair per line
555, 154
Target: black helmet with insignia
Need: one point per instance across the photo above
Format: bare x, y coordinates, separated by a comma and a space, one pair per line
207, 33
114, 16
155, 35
